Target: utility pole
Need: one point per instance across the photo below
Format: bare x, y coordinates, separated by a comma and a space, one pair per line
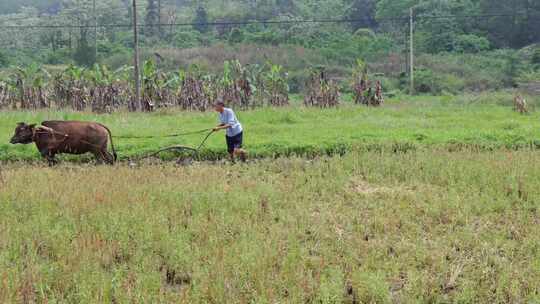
137, 74
95, 32
159, 17
411, 50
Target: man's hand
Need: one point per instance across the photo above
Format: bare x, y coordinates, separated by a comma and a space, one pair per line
221, 127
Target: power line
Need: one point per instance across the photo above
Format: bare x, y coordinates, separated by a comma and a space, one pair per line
224, 23
253, 22
467, 16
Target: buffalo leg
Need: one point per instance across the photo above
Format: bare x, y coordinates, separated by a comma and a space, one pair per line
51, 159
104, 156
99, 157
49, 156
109, 158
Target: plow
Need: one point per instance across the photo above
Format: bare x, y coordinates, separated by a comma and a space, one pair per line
177, 148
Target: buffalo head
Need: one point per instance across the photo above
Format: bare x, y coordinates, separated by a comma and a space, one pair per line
23, 134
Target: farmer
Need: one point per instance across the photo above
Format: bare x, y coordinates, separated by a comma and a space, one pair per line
234, 133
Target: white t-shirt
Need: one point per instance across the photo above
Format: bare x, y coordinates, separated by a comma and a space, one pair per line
228, 117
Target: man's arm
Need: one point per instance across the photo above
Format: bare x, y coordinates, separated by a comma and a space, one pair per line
222, 126
227, 124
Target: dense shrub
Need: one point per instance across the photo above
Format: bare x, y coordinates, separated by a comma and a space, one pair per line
236, 36
364, 32
4, 61
201, 17
264, 37
118, 60
536, 57
471, 44
297, 80
84, 53
107, 49
425, 81
57, 57
187, 39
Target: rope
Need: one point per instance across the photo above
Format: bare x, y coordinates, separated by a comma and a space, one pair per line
47, 130
180, 148
162, 136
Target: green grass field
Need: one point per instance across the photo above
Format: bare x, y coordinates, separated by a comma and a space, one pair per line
420, 227
435, 201
404, 123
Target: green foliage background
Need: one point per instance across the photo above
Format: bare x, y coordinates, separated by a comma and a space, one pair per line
378, 35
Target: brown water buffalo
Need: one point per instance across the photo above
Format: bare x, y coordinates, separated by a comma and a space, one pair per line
71, 137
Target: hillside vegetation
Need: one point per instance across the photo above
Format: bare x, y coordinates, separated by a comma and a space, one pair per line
477, 52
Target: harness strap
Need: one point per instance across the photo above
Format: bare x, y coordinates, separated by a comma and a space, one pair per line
47, 130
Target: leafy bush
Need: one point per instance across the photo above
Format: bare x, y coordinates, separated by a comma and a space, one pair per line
118, 60
126, 39
425, 81
57, 57
450, 83
536, 57
107, 49
297, 80
201, 17
390, 85
471, 44
364, 32
187, 39
264, 37
84, 54
473, 72
236, 36
4, 61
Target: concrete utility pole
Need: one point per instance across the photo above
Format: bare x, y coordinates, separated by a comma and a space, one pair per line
411, 50
95, 32
159, 17
137, 74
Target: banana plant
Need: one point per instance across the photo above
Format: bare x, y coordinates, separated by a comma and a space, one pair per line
255, 75
359, 81
154, 86
101, 88
5, 91
226, 80
276, 85
175, 80
30, 82
321, 92
74, 73
69, 88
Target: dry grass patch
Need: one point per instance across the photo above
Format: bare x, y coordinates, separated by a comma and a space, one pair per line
280, 231
364, 187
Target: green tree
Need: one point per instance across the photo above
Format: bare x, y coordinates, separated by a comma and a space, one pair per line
364, 11
393, 8
201, 19
536, 57
512, 31
84, 54
14, 6
471, 43
285, 6
151, 18
4, 61
512, 69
